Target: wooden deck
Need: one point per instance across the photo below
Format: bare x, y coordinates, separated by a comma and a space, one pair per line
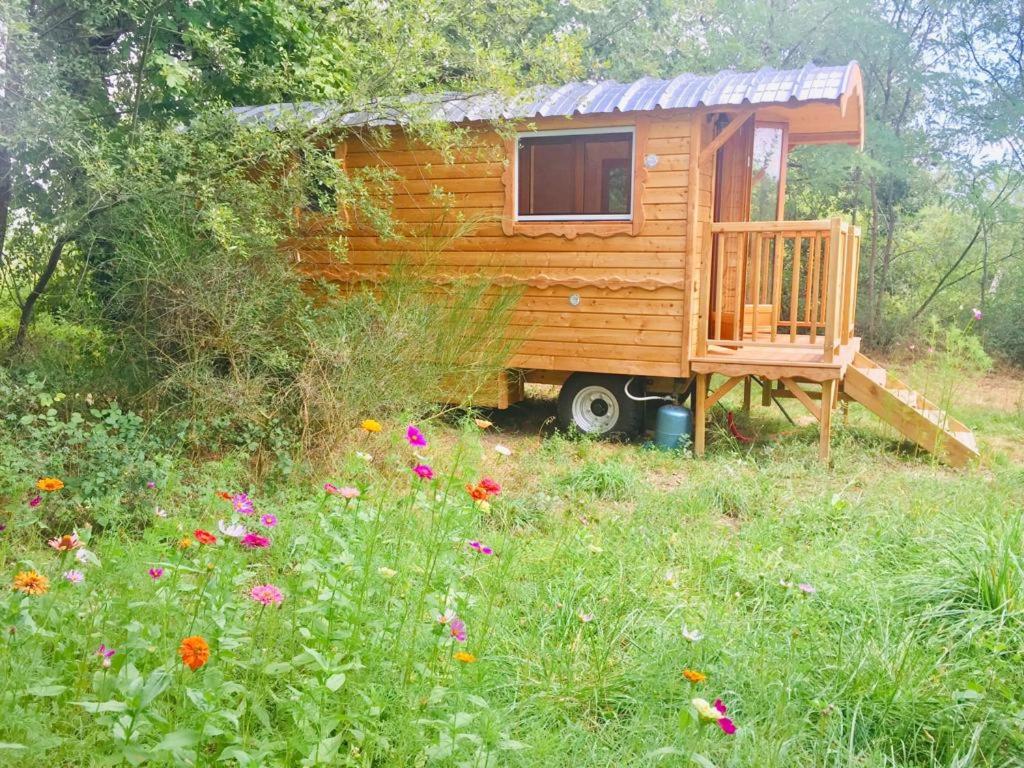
774, 360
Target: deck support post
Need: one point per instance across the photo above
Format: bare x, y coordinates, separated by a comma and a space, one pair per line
746, 395
699, 416
766, 391
828, 389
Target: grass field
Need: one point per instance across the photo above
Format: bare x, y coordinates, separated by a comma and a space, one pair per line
904, 646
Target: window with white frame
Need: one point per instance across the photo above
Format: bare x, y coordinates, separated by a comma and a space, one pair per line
575, 175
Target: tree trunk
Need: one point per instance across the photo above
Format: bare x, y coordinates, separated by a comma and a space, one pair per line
873, 259
37, 290
883, 278
5, 200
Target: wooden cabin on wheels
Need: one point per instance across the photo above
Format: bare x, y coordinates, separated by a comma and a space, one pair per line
643, 223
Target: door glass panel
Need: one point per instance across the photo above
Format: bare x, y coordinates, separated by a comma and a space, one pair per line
766, 173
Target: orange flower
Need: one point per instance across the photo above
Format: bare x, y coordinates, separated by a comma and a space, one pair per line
194, 652
204, 537
477, 492
31, 583
694, 676
49, 484
185, 543
371, 425
464, 656
224, 495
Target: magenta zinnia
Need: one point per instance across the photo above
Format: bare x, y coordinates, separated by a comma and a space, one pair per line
415, 437
457, 627
266, 594
255, 541
423, 471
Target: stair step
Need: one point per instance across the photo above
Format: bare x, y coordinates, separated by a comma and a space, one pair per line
968, 439
877, 375
862, 383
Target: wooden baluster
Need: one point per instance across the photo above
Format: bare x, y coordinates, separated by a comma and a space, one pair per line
833, 300
820, 249
794, 288
812, 268
739, 280
756, 290
719, 281
780, 258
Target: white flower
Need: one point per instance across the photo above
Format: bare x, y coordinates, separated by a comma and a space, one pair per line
692, 635
160, 512
444, 618
387, 573
364, 456
503, 450
231, 530
586, 618
85, 557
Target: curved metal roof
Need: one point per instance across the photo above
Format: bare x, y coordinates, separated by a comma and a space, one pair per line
686, 91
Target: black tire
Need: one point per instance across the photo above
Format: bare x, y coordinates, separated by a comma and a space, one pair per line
596, 404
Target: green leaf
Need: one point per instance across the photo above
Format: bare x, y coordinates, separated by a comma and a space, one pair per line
11, 745
685, 718
102, 706
334, 682
278, 668
46, 691
177, 740
702, 761
510, 745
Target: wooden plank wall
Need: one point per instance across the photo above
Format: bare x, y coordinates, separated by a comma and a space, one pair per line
633, 289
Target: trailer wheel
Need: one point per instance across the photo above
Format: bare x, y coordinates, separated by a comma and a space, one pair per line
597, 404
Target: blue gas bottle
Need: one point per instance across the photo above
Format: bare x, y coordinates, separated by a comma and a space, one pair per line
671, 424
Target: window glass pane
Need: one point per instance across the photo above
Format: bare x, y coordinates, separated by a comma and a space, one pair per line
766, 174
587, 174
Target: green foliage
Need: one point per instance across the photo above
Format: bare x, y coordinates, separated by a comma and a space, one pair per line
108, 451
907, 654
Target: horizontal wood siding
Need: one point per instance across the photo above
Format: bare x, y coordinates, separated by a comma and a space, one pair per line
632, 288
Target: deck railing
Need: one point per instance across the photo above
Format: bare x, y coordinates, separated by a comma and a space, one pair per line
780, 281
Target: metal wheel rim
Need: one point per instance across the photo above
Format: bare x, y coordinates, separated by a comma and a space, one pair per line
583, 414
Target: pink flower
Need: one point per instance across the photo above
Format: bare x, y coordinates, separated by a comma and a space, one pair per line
490, 486
266, 594
977, 313
423, 471
479, 547
724, 722
415, 437
268, 521
105, 653
255, 541
75, 577
331, 488
807, 589
35, 501
457, 627
66, 543
243, 504
156, 573
150, 484
348, 492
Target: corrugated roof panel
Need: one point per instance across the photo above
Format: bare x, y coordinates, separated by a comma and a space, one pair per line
686, 91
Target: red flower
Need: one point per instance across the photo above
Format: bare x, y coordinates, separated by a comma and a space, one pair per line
490, 486
477, 492
204, 537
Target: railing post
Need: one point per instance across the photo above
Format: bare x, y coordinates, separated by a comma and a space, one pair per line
832, 298
703, 313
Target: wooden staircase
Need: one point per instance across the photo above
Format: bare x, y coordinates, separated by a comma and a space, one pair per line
916, 417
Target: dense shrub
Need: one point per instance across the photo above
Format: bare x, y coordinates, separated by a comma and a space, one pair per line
104, 453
